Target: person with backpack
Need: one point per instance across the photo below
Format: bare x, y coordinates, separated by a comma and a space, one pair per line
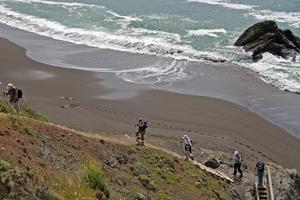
15, 95
260, 169
140, 134
188, 144
237, 163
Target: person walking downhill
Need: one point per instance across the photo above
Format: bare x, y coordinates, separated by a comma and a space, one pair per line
140, 134
260, 169
237, 163
188, 144
14, 96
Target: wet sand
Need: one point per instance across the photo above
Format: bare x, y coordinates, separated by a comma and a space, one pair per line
212, 123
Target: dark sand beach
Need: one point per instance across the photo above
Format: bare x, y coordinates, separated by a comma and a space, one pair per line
214, 124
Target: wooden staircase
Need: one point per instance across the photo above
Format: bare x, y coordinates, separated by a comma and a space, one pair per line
265, 191
261, 192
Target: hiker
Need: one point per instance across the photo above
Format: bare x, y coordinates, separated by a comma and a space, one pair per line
142, 125
14, 96
260, 169
237, 163
188, 144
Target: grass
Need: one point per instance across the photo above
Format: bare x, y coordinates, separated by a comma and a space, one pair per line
19, 125
148, 172
4, 165
94, 176
28, 112
5, 107
147, 183
17, 184
162, 196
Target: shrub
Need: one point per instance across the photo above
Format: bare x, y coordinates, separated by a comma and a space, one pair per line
95, 176
145, 181
5, 107
15, 121
53, 194
162, 196
4, 165
28, 112
27, 131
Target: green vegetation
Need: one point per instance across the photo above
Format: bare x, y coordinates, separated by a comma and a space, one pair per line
27, 112
79, 167
95, 177
4, 165
162, 196
19, 125
21, 185
5, 107
53, 194
147, 183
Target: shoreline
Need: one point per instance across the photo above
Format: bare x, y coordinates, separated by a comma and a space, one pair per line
213, 123
224, 81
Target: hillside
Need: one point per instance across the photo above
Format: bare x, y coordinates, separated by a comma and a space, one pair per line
40, 160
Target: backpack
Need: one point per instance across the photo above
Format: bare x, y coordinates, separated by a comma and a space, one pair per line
20, 93
190, 142
145, 125
238, 158
260, 166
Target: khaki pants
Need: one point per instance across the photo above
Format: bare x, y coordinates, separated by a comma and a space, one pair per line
16, 105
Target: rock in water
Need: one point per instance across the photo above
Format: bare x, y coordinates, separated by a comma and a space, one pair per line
267, 37
212, 163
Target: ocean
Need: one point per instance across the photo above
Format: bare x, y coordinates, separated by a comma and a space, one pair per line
198, 31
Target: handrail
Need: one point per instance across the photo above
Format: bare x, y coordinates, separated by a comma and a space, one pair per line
256, 190
270, 185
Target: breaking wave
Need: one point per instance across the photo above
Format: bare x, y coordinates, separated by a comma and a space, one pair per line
225, 4
209, 32
70, 4
135, 43
292, 18
281, 73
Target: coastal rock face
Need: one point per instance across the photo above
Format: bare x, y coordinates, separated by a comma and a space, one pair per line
267, 37
285, 183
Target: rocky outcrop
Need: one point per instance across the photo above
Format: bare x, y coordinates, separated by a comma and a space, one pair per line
285, 183
267, 37
212, 163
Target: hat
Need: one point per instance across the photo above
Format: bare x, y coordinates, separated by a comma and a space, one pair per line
140, 119
185, 136
10, 85
236, 153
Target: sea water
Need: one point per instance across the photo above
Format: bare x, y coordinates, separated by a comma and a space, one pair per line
182, 30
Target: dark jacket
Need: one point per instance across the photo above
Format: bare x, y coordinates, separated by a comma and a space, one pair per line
13, 95
142, 125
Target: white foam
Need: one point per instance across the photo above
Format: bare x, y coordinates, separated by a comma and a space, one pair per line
209, 32
160, 71
155, 45
279, 72
71, 4
292, 18
225, 4
127, 18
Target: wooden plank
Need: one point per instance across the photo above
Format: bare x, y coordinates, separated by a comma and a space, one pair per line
270, 184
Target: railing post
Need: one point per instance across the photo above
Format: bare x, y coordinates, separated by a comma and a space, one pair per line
270, 185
